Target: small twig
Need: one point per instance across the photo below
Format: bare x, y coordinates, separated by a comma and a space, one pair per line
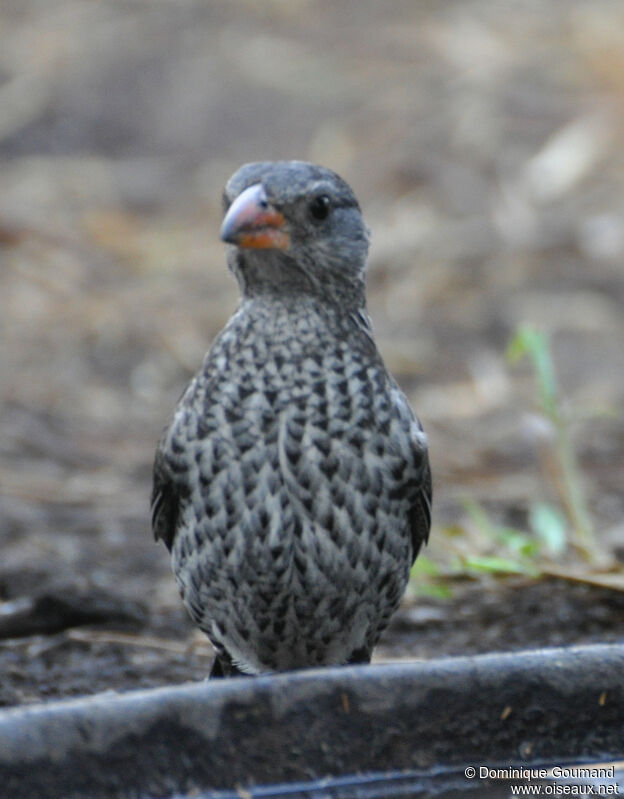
127, 639
614, 582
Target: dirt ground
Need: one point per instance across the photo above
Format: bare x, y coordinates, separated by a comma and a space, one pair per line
485, 143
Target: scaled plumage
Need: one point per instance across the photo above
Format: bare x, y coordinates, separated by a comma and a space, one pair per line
292, 485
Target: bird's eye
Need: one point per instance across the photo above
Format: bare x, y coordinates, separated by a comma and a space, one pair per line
319, 207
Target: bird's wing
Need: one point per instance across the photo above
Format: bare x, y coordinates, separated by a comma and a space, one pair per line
417, 485
420, 482
170, 475
165, 500
420, 511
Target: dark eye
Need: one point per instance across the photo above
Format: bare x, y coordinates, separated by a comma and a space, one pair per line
319, 207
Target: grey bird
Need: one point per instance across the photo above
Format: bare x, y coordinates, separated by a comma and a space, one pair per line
292, 485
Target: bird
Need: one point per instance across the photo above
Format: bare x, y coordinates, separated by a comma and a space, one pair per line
292, 485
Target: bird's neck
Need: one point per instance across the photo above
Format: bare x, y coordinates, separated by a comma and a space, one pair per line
293, 316
285, 281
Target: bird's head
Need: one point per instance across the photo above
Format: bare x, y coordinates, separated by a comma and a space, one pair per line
295, 228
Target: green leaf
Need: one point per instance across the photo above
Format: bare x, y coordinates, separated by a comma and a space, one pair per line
519, 346
499, 565
549, 525
518, 542
535, 345
453, 530
479, 516
424, 565
434, 590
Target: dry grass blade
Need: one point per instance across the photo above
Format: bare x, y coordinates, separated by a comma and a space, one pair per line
611, 580
144, 641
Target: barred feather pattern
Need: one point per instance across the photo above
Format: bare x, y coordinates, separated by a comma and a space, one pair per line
292, 487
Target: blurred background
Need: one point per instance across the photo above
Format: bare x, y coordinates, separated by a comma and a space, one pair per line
484, 141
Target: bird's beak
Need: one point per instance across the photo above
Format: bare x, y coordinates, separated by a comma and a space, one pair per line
252, 222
